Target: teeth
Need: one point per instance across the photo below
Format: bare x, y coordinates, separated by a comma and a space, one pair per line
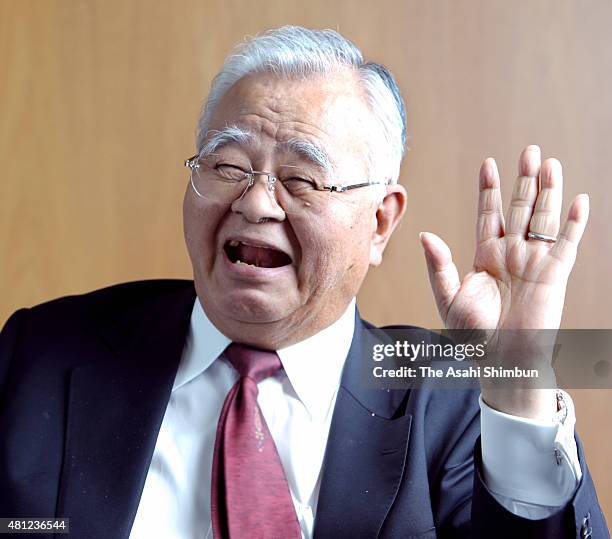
234, 243
244, 263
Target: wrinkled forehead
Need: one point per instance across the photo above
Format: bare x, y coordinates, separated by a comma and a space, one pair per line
323, 120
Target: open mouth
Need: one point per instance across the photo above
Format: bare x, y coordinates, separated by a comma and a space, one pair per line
261, 257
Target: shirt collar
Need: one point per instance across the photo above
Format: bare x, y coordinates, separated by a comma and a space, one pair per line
313, 366
204, 344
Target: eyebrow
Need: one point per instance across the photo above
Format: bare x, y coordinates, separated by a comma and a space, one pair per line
311, 152
228, 135
302, 147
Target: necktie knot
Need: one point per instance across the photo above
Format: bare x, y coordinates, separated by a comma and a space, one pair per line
252, 362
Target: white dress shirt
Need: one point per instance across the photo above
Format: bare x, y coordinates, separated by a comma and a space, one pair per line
519, 458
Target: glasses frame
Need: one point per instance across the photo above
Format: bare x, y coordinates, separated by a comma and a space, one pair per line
192, 163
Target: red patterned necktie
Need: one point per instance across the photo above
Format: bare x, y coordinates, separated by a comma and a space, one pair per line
250, 496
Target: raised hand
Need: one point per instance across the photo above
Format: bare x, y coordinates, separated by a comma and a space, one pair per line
517, 282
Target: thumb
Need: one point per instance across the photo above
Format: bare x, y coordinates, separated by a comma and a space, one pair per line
443, 274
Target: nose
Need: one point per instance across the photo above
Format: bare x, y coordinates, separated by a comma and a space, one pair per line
258, 202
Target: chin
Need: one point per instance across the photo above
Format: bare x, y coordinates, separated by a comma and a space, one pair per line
254, 307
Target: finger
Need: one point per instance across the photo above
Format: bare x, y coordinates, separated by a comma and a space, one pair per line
490, 222
524, 193
567, 243
546, 217
443, 274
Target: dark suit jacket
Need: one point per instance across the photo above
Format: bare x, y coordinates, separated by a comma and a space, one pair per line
84, 383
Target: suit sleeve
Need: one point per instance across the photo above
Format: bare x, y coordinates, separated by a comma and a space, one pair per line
463, 505
581, 518
8, 344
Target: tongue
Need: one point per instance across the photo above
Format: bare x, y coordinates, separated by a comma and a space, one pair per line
260, 256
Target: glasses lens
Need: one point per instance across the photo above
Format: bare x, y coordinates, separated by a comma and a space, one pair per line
217, 181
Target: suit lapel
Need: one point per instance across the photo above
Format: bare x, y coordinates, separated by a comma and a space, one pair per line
366, 451
116, 404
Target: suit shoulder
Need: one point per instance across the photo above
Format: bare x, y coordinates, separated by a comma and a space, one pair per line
107, 302
118, 294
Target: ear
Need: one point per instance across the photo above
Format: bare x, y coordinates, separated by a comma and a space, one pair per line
387, 217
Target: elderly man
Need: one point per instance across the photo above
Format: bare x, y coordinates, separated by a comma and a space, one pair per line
232, 407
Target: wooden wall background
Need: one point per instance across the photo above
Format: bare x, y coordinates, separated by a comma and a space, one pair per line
98, 102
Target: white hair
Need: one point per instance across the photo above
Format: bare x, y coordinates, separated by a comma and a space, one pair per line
294, 51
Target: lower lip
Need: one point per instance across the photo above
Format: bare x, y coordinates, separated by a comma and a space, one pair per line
247, 272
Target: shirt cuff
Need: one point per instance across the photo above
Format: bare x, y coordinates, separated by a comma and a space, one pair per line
530, 466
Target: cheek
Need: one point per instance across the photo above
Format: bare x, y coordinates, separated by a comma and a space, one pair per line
356, 249
317, 250
199, 226
334, 255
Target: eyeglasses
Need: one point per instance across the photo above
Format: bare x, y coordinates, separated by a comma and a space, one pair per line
222, 180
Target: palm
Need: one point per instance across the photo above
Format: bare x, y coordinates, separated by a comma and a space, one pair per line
516, 282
